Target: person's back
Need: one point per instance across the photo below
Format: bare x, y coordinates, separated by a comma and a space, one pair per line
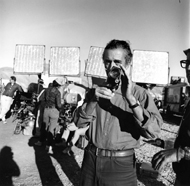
50, 97
52, 107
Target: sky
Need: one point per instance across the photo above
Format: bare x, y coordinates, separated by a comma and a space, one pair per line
147, 24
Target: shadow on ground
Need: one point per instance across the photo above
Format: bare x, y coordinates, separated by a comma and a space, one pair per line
172, 119
8, 167
57, 168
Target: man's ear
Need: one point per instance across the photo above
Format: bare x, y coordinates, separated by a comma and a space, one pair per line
131, 68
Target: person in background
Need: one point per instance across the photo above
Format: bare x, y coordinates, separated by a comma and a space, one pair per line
179, 156
119, 112
67, 114
51, 110
7, 97
78, 131
42, 133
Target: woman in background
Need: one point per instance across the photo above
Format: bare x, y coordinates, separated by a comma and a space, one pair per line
51, 111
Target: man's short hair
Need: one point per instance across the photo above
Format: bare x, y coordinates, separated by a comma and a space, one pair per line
13, 78
114, 44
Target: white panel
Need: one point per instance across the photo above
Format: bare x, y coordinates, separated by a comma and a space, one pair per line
94, 65
150, 67
65, 61
29, 59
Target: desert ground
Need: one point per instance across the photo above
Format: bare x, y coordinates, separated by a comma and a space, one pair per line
24, 164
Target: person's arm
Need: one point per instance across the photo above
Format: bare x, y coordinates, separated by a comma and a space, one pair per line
6, 87
147, 116
127, 87
137, 109
144, 110
163, 157
85, 113
19, 88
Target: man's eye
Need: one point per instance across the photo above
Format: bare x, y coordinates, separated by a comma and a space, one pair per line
117, 62
107, 62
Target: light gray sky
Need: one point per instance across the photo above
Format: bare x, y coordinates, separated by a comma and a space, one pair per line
149, 25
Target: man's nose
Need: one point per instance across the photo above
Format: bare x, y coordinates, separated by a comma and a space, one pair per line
113, 64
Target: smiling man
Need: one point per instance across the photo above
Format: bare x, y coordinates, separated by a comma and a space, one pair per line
118, 116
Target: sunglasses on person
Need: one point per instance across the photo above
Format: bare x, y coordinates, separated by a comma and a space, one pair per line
185, 63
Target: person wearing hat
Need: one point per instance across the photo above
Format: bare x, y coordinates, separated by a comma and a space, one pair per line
7, 97
52, 106
179, 156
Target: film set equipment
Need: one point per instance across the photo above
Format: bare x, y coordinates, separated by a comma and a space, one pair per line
24, 118
23, 112
67, 112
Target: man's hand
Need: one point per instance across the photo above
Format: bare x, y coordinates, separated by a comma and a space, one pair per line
163, 157
103, 92
126, 82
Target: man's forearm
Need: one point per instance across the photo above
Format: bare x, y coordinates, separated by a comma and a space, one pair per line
137, 110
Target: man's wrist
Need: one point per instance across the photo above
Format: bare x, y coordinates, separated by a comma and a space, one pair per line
135, 105
131, 100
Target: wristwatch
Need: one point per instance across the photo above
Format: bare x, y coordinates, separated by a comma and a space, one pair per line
135, 105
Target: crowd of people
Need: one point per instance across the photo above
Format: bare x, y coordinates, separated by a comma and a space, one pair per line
112, 117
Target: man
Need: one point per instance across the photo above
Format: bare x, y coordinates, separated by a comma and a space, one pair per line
7, 97
180, 154
118, 116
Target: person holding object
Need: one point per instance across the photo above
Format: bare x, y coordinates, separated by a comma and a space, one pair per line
119, 112
7, 97
180, 154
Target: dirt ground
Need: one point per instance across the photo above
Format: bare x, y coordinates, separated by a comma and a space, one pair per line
23, 164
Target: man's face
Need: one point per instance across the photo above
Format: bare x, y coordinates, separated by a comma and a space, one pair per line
186, 65
187, 69
12, 81
114, 57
